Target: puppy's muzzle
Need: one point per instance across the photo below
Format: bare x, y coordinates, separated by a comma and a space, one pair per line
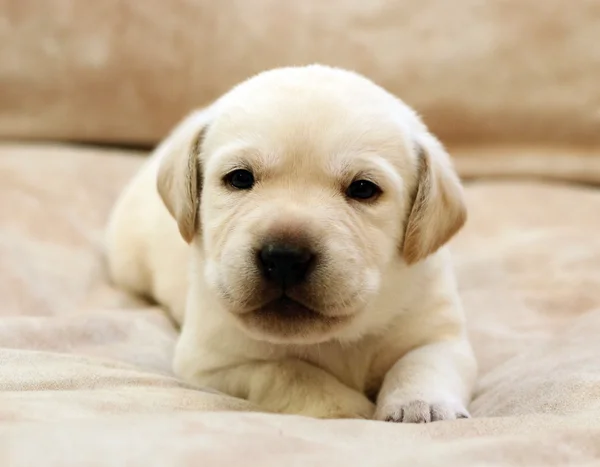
284, 264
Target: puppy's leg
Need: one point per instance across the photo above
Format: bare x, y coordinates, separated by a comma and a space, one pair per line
290, 386
430, 383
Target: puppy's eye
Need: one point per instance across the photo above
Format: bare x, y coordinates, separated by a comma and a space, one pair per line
240, 179
362, 190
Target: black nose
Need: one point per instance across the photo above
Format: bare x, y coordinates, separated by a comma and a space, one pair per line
285, 264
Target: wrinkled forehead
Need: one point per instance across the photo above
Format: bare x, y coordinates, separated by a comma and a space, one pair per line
320, 131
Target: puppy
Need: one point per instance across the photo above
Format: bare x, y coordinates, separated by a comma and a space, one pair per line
296, 230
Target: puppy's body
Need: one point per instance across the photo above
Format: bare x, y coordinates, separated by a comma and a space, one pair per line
377, 314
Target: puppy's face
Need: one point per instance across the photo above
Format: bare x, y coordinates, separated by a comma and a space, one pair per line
308, 179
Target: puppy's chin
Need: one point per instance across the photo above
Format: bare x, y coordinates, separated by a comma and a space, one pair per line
285, 321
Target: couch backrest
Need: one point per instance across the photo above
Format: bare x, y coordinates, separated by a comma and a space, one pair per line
124, 71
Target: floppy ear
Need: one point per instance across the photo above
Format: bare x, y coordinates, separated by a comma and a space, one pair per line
438, 211
179, 179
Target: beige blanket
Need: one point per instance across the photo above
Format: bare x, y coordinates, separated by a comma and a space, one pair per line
85, 370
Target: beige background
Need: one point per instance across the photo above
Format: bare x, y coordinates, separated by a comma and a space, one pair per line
125, 71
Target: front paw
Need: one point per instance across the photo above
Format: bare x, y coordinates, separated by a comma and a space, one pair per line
349, 405
419, 411
361, 408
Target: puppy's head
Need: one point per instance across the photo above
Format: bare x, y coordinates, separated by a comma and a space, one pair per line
300, 187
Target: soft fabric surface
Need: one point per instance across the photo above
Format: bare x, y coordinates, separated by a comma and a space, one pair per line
493, 71
85, 370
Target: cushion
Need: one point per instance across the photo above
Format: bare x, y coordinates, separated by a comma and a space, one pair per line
86, 375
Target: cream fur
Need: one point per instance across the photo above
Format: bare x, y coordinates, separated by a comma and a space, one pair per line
387, 339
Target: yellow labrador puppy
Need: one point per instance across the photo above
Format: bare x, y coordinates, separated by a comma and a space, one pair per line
295, 229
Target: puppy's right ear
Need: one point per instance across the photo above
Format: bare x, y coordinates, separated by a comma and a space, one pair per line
179, 179
439, 209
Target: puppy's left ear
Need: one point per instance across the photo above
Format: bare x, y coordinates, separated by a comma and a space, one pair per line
179, 180
438, 211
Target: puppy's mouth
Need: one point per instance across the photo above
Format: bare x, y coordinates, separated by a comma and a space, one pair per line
287, 309
285, 320
285, 306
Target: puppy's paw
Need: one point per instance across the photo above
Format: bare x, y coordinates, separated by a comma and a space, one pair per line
362, 408
419, 411
350, 405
